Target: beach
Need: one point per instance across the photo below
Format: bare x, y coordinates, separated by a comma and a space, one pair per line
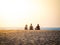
29, 37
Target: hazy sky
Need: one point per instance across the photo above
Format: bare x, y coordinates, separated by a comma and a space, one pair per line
17, 13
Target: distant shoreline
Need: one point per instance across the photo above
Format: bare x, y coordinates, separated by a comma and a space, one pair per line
22, 28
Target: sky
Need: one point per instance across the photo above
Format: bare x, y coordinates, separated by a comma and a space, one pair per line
17, 13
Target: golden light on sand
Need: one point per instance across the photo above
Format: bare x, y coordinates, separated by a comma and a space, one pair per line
17, 13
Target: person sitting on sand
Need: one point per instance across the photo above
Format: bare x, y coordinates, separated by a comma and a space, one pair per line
31, 27
37, 27
26, 27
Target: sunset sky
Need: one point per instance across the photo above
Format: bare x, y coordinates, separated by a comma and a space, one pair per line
17, 13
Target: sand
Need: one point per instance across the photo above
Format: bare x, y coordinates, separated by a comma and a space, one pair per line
29, 37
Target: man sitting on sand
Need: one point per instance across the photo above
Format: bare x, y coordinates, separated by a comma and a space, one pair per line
37, 27
26, 27
31, 27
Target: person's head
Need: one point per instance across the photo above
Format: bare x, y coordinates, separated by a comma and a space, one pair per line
37, 24
26, 25
31, 24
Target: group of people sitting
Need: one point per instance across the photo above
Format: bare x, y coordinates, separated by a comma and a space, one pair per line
31, 27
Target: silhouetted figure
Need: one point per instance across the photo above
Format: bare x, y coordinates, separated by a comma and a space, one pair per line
31, 27
37, 27
26, 27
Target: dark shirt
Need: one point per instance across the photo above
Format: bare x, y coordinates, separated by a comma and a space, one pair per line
37, 27
31, 27
26, 28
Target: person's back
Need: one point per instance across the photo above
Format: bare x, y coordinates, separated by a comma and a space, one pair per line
37, 27
26, 27
31, 27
